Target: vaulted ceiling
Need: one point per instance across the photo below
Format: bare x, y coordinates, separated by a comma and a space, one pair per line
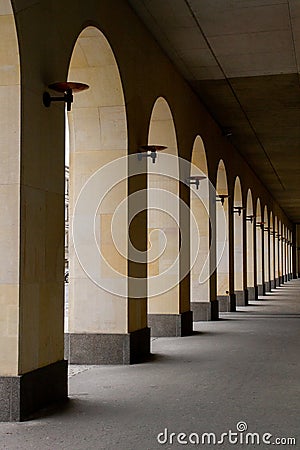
242, 57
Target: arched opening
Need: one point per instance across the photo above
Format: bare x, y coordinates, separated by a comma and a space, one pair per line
284, 269
259, 249
11, 349
272, 252
223, 296
250, 246
98, 138
199, 281
276, 251
280, 252
238, 244
266, 251
289, 253
166, 310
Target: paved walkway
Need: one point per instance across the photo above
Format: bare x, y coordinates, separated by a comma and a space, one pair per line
243, 368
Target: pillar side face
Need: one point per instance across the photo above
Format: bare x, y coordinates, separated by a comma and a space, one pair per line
9, 194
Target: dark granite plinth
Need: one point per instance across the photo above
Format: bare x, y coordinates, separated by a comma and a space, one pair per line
260, 289
252, 293
272, 284
205, 311
267, 287
128, 348
22, 396
227, 303
171, 325
241, 297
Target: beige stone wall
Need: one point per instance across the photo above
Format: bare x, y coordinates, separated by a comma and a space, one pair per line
199, 283
9, 191
32, 187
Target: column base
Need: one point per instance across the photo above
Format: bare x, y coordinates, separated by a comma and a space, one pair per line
260, 290
106, 348
272, 284
227, 303
267, 287
281, 280
252, 293
23, 395
241, 297
205, 311
171, 325
277, 282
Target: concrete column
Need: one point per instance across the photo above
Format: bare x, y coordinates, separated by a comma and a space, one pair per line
260, 258
294, 252
231, 231
225, 296
267, 259
272, 259
241, 298
250, 259
33, 373
169, 311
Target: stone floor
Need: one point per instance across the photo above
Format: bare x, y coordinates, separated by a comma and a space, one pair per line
243, 369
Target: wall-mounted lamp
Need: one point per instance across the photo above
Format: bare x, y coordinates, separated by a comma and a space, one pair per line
238, 209
260, 225
68, 88
150, 151
250, 218
195, 179
221, 198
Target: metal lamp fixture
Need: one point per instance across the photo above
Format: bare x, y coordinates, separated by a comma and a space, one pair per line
150, 151
221, 198
250, 218
195, 179
238, 209
65, 87
260, 225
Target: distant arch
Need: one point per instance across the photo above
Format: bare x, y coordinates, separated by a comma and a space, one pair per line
199, 281
238, 242
223, 294
250, 246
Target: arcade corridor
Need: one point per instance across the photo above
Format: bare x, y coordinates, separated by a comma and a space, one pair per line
243, 368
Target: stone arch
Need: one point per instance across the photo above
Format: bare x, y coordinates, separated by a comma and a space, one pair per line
272, 251
166, 309
266, 250
98, 137
276, 252
199, 282
259, 248
10, 123
222, 236
238, 242
250, 246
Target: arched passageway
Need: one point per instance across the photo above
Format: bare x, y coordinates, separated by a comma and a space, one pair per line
199, 278
259, 249
250, 247
168, 312
223, 295
238, 212
266, 251
272, 252
101, 316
